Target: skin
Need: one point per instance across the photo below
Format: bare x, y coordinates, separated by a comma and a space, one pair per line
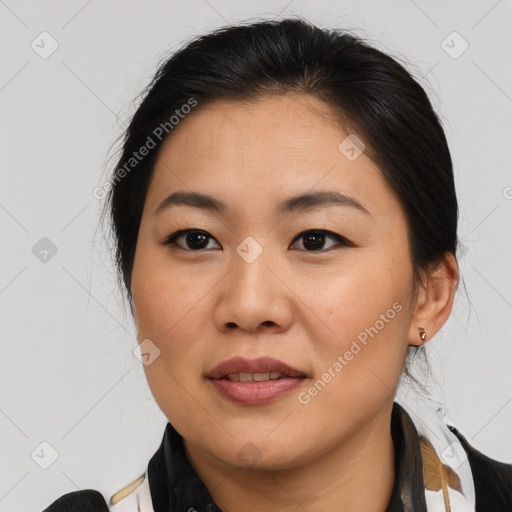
301, 306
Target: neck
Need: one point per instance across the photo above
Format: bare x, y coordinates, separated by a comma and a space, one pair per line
357, 474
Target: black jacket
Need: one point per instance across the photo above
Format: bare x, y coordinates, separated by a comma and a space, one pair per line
175, 486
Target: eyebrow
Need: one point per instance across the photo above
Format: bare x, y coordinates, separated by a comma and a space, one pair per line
296, 204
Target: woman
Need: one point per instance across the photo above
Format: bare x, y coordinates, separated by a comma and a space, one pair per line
286, 225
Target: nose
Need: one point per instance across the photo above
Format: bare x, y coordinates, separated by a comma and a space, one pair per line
254, 297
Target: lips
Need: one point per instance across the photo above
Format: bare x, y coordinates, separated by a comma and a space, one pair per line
262, 365
255, 382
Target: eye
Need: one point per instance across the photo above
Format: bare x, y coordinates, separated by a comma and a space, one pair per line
314, 239
196, 239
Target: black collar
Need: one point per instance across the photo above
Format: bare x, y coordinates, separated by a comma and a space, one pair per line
175, 485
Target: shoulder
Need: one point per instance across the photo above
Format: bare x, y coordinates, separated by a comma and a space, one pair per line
134, 496
493, 479
85, 500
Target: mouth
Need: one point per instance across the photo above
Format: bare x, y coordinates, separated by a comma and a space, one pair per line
263, 368
257, 377
255, 382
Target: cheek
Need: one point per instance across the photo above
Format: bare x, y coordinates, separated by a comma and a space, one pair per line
170, 307
165, 301
176, 327
361, 356
171, 317
366, 311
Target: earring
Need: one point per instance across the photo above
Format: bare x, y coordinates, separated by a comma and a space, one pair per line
423, 333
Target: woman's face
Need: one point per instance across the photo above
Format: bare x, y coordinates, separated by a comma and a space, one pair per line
256, 282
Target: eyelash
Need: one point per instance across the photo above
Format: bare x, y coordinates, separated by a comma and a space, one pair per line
171, 239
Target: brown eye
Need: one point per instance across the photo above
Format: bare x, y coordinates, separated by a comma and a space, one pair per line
314, 240
194, 239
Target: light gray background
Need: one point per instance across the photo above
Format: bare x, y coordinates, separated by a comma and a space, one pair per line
67, 374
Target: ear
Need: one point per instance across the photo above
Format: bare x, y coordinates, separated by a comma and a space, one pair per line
435, 300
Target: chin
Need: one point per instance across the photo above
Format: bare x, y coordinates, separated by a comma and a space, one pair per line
256, 452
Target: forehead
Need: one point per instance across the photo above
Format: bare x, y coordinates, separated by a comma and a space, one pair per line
287, 123
258, 151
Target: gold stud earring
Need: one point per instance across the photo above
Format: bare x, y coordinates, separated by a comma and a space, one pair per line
423, 333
